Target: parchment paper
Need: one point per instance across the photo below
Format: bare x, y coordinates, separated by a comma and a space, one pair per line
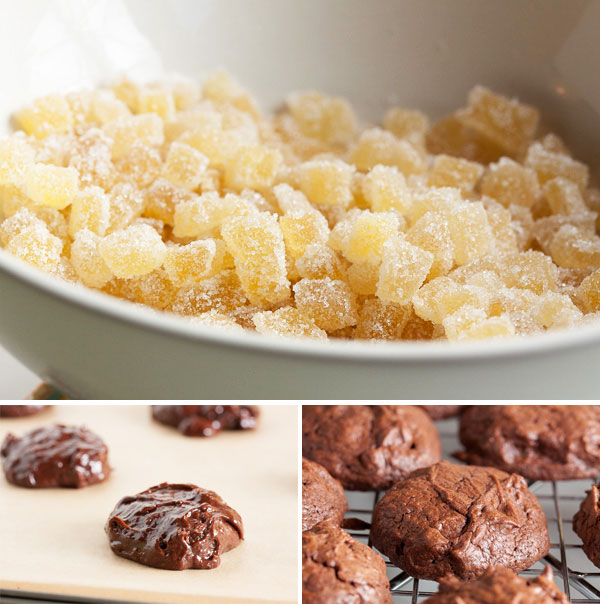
53, 540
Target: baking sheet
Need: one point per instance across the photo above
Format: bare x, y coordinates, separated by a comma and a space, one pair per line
53, 540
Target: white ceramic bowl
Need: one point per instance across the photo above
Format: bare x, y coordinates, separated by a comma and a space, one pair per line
425, 54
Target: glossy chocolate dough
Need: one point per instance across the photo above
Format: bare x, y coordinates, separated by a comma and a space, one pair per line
500, 585
175, 527
458, 520
55, 456
323, 497
337, 569
540, 442
369, 447
20, 410
586, 523
206, 420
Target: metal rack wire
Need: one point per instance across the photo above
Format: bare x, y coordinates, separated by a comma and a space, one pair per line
573, 572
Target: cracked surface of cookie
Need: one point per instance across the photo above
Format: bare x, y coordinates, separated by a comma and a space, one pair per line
323, 497
369, 447
540, 442
586, 523
500, 585
458, 520
442, 411
206, 420
337, 569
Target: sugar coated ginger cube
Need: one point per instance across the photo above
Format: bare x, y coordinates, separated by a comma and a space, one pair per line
554, 310
142, 165
127, 91
186, 91
16, 158
106, 107
384, 189
588, 293
419, 329
327, 182
287, 322
184, 166
470, 232
508, 182
330, 303
157, 99
221, 88
329, 119
320, 261
363, 278
380, 321
87, 261
214, 318
548, 165
126, 204
161, 198
134, 251
301, 229
470, 323
90, 210
377, 146
502, 227
448, 171
146, 129
192, 262
252, 166
404, 267
20, 220
47, 115
37, 246
573, 247
508, 123
291, 200
153, 289
431, 233
564, 197
52, 186
529, 270
407, 123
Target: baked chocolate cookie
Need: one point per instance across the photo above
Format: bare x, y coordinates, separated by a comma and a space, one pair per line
499, 585
323, 497
337, 569
369, 447
206, 420
586, 523
540, 442
175, 527
458, 520
20, 410
442, 411
55, 456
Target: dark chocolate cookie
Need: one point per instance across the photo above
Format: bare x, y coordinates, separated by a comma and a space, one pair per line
586, 523
458, 520
540, 442
337, 569
206, 420
20, 410
369, 447
442, 411
500, 585
323, 497
174, 526
55, 456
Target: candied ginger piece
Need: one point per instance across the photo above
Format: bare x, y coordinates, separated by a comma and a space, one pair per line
563, 197
221, 87
156, 99
90, 210
301, 229
319, 261
545, 229
510, 183
448, 171
128, 91
470, 323
16, 158
549, 165
407, 123
186, 91
252, 166
431, 233
37, 246
20, 220
145, 129
529, 270
185, 166
327, 182
377, 146
126, 204
380, 321
290, 200
161, 199
442, 200
553, 310
52, 186
330, 303
508, 123
47, 115
153, 289
142, 165
329, 119
214, 318
384, 188
363, 278
106, 107
555, 144
87, 261
190, 263
501, 225
92, 159
404, 268
287, 322
470, 232
134, 251
588, 293
573, 247
419, 329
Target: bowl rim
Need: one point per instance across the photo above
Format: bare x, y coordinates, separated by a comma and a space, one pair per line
429, 352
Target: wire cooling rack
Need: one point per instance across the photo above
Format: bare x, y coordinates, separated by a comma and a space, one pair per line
573, 572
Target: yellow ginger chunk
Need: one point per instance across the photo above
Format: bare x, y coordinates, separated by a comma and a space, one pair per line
470, 232
404, 268
87, 261
506, 122
442, 200
448, 171
90, 210
126, 204
185, 166
327, 182
330, 303
510, 183
553, 310
572, 247
190, 263
47, 115
288, 322
145, 129
161, 199
564, 197
159, 100
20, 220
134, 251
16, 158
431, 233
214, 318
186, 92
384, 189
376, 146
106, 107
37, 246
319, 261
142, 165
549, 165
363, 278
588, 293
407, 123
252, 166
380, 321
128, 91
301, 229
153, 289
52, 186
221, 87
501, 226
529, 270
470, 323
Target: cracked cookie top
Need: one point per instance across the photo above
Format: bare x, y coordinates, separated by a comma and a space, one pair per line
586, 524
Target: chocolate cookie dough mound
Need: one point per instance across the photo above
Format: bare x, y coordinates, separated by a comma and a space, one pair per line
20, 410
458, 520
55, 456
586, 523
540, 442
442, 411
369, 447
500, 585
175, 527
323, 497
337, 569
206, 420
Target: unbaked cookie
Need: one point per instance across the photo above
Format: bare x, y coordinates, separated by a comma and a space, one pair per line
206, 420
323, 497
